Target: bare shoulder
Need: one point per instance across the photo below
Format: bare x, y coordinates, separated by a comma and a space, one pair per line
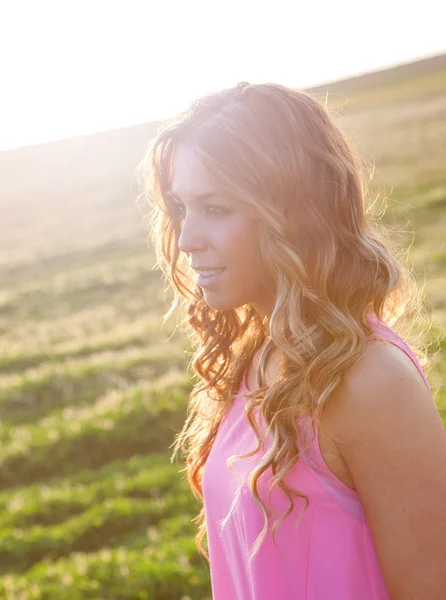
391, 436
383, 383
383, 396
383, 390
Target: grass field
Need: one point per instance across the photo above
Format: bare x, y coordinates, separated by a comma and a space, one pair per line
92, 390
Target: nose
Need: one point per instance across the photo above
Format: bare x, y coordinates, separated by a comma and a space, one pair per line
192, 237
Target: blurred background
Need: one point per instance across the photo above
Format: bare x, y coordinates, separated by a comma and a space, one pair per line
92, 389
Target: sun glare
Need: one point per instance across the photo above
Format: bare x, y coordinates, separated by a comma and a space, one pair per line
86, 67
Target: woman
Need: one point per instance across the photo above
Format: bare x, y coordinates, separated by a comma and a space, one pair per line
292, 299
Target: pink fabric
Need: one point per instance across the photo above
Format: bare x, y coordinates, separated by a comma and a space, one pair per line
331, 556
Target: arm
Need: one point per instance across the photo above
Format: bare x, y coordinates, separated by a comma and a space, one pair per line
394, 443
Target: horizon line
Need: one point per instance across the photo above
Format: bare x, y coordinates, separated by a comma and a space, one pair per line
314, 87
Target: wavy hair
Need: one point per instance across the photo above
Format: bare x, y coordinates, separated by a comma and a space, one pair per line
278, 153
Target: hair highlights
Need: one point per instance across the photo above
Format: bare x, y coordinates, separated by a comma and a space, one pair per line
278, 152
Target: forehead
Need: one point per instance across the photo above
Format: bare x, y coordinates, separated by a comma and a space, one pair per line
189, 177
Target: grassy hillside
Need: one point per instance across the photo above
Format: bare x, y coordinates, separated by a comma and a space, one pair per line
92, 390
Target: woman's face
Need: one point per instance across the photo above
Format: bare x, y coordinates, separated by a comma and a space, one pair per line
216, 235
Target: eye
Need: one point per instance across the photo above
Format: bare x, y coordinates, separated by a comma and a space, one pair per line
216, 211
177, 209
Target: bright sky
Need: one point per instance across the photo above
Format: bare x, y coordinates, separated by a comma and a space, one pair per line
69, 68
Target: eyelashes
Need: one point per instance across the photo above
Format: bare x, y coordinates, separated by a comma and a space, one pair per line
216, 211
178, 210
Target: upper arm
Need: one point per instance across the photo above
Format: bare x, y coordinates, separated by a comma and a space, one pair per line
394, 443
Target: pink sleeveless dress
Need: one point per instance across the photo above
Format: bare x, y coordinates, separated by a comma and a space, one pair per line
330, 556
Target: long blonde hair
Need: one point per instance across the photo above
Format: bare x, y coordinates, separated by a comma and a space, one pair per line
277, 152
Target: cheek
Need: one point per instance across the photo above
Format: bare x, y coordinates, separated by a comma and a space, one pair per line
244, 248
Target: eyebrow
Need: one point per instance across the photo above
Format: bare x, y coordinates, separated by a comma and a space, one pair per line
198, 197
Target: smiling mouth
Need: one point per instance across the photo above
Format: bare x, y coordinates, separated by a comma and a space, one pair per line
209, 272
205, 280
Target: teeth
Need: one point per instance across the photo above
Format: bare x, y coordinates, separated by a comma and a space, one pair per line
209, 272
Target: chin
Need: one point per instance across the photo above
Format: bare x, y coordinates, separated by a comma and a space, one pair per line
221, 304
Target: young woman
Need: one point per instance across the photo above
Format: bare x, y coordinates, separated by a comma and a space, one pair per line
293, 302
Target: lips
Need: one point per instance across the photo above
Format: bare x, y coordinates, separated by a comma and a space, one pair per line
196, 268
209, 272
209, 280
